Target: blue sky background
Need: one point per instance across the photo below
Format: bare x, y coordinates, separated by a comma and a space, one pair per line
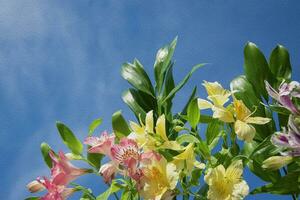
60, 60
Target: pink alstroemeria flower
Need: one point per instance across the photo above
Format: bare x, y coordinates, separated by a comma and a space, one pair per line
289, 142
285, 94
126, 154
101, 144
108, 171
62, 170
62, 173
55, 192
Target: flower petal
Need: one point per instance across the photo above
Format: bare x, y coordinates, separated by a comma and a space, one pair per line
257, 120
244, 131
204, 104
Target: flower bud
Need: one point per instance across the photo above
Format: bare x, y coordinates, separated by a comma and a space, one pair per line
276, 162
35, 186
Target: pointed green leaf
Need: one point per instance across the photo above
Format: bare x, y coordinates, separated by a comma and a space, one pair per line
280, 64
45, 149
204, 150
129, 97
182, 83
137, 77
69, 138
256, 68
193, 113
119, 125
288, 184
95, 159
163, 61
213, 130
94, 125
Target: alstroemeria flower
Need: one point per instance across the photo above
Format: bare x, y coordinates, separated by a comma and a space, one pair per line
100, 144
285, 94
236, 113
62, 170
126, 154
158, 180
226, 184
151, 138
218, 96
186, 160
55, 192
242, 125
289, 142
108, 171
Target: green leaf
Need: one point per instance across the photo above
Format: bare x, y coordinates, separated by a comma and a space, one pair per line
256, 68
69, 138
196, 174
213, 130
204, 150
95, 159
129, 98
187, 138
137, 77
114, 187
288, 184
169, 86
184, 110
205, 119
262, 151
243, 90
32, 198
94, 125
182, 83
119, 125
280, 64
163, 61
280, 109
193, 113
45, 149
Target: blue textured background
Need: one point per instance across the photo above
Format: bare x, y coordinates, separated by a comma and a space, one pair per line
60, 60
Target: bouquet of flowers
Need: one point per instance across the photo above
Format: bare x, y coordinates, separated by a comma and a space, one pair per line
254, 123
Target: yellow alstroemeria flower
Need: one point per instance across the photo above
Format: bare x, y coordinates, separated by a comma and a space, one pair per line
142, 134
218, 96
242, 126
158, 180
226, 184
186, 160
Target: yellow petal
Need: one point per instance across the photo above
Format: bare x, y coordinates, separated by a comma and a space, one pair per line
149, 122
215, 175
203, 104
257, 120
234, 171
137, 128
242, 112
215, 88
199, 165
161, 127
219, 100
223, 114
244, 131
240, 190
171, 145
172, 175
